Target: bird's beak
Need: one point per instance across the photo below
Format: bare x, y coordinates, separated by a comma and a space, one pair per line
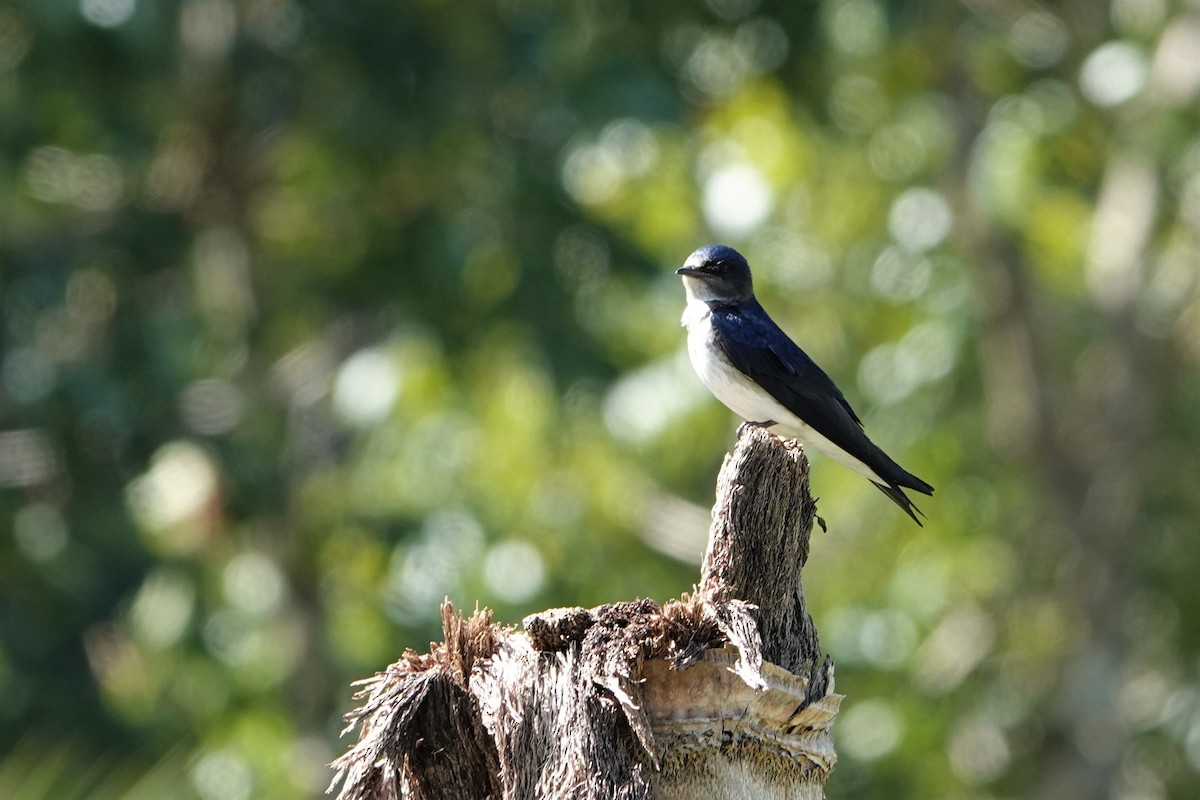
686, 270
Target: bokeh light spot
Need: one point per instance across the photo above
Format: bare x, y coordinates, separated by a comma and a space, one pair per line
513, 570
800, 262
717, 66
90, 181
366, 387
179, 486
890, 372
581, 257
40, 531
919, 219
91, 296
900, 276
590, 175
433, 567
764, 43
26, 458
644, 402
207, 27
857, 103
856, 27
107, 13
978, 752
595, 170
953, 650
868, 730
1139, 17
222, 775
253, 583
896, 152
163, 607
1057, 103
1039, 38
211, 406
887, 638
1113, 73
737, 200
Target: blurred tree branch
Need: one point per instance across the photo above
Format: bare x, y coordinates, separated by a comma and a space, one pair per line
1087, 432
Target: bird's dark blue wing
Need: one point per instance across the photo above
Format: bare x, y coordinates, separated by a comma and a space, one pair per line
756, 346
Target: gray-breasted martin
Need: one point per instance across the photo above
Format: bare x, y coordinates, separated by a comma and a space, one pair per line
752, 366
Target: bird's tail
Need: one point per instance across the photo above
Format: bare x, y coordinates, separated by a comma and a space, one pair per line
897, 494
910, 481
898, 497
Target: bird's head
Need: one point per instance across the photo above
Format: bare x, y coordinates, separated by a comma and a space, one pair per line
717, 274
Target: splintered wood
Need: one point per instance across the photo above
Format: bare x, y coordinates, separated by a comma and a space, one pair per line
720, 694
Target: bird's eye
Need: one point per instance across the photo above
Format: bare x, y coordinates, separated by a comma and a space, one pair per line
720, 267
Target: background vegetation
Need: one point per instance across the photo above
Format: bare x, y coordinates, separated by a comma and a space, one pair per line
316, 312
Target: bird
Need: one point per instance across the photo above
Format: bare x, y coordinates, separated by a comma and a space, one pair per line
754, 368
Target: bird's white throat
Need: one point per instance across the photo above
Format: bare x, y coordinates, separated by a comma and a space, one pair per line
695, 312
698, 290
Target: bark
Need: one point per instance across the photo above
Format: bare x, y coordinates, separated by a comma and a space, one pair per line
719, 694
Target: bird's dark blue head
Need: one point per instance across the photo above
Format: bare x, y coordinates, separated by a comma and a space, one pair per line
717, 274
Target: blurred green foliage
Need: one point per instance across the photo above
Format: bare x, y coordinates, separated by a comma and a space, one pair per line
315, 313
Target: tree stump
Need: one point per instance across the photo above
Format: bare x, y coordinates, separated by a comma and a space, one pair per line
719, 694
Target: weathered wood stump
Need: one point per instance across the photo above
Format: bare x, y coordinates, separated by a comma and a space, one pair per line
720, 694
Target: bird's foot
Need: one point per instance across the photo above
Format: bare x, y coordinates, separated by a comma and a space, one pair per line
748, 425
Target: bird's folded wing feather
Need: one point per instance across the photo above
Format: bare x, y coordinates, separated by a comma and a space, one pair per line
758, 348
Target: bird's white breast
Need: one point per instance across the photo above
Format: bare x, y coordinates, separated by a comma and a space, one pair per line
725, 381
